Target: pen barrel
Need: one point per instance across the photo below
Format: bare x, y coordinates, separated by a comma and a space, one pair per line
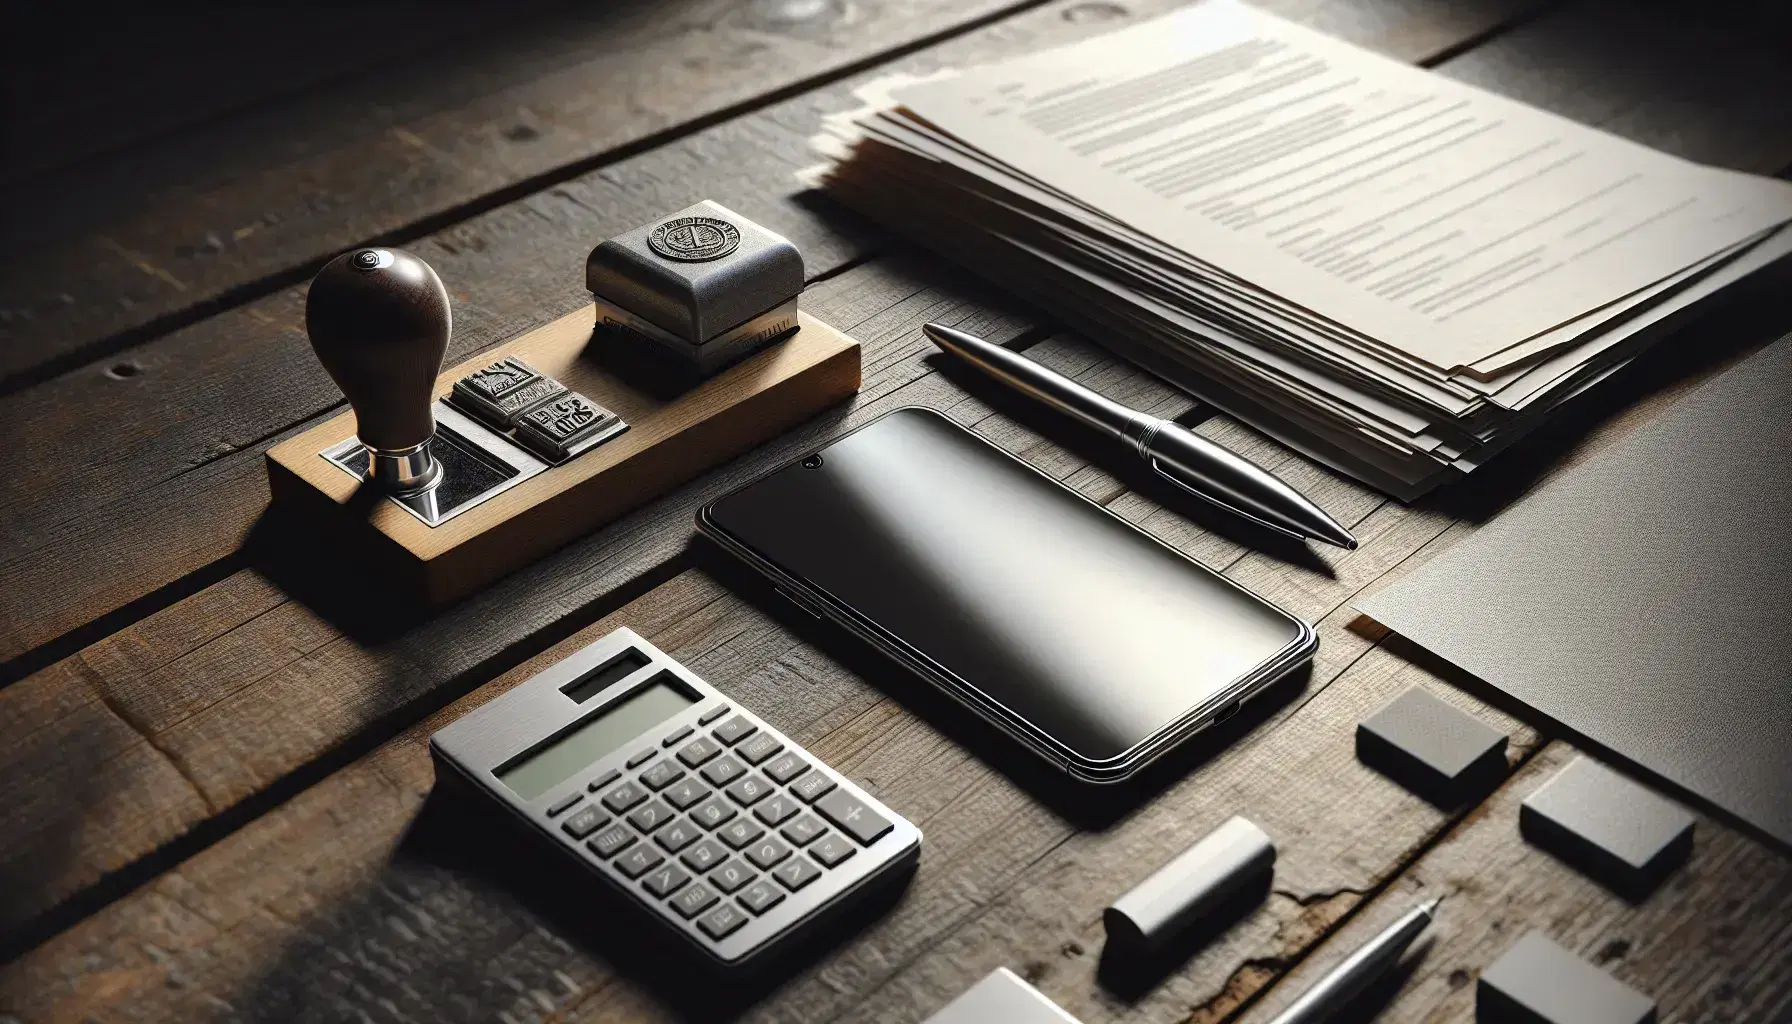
1223, 477
1357, 972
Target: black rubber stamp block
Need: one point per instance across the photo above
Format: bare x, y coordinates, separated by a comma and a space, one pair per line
1616, 831
1432, 747
1539, 982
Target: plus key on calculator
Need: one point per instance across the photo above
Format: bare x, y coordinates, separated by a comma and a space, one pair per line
720, 828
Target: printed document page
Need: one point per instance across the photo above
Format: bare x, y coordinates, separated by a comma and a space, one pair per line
1423, 215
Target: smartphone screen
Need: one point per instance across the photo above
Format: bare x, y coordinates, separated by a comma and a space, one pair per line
1049, 614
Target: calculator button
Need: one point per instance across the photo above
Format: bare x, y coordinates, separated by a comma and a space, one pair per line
724, 769
741, 833
675, 737
722, 922
686, 793
734, 730
651, 816
795, 873
760, 897
639, 861
587, 821
853, 817
786, 768
803, 830
759, 748
732, 876
713, 714
699, 750
612, 841
832, 848
560, 808
767, 852
604, 780
694, 901
778, 809
661, 775
705, 855
812, 787
640, 759
678, 835
713, 813
666, 880
624, 796
749, 791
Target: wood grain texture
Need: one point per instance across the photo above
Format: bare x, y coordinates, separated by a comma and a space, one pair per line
315, 910
1709, 945
87, 529
669, 440
185, 222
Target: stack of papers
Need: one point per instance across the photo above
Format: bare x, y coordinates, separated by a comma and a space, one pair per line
1392, 272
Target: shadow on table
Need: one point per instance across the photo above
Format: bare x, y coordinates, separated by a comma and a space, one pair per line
1083, 805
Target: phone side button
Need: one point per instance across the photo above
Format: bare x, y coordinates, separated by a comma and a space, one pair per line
799, 602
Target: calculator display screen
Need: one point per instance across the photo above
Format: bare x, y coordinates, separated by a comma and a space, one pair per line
604, 733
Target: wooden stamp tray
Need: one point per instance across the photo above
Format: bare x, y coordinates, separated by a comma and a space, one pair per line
673, 435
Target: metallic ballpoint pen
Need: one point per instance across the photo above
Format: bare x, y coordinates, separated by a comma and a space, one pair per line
1186, 459
1359, 970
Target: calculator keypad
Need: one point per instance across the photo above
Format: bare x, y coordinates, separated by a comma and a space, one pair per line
723, 825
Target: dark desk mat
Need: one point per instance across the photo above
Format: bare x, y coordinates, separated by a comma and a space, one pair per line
1644, 599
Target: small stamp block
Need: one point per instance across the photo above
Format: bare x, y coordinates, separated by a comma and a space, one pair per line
1539, 982
1432, 747
1610, 828
565, 426
503, 391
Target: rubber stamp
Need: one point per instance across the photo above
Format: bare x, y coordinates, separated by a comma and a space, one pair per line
704, 287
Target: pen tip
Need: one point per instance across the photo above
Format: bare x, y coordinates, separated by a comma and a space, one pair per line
1430, 905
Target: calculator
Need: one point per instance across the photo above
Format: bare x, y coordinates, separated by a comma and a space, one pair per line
715, 823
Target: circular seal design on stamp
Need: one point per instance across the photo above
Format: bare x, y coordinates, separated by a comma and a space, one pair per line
694, 239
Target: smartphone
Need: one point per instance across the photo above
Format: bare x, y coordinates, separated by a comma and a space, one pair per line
1088, 640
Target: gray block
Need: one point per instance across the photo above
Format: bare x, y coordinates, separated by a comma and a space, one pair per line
1539, 982
1616, 831
1432, 747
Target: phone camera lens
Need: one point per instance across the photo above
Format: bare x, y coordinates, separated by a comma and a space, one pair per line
812, 462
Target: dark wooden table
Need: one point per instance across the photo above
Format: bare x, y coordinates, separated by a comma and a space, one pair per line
217, 799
